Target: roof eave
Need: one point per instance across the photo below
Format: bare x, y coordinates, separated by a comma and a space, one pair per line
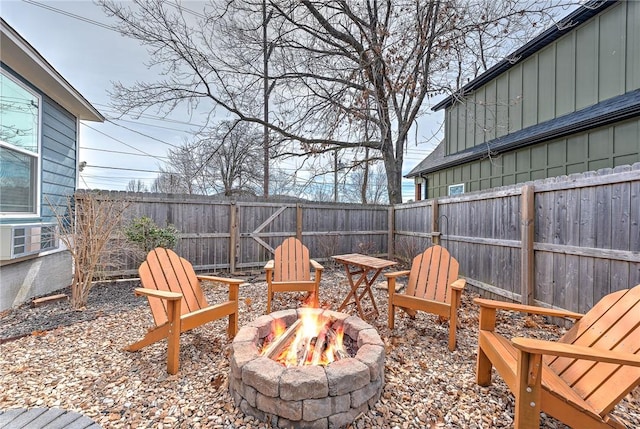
22, 58
546, 38
591, 123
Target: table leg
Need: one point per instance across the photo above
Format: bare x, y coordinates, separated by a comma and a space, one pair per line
367, 289
354, 289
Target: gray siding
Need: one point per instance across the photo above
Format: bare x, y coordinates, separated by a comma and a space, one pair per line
59, 153
595, 62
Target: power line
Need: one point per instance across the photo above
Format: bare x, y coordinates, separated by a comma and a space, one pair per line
148, 116
120, 141
71, 15
123, 168
143, 134
145, 124
118, 152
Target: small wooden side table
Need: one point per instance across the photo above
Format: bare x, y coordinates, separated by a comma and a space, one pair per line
361, 265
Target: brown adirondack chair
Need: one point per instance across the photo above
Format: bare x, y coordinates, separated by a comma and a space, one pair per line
433, 287
290, 271
178, 303
578, 379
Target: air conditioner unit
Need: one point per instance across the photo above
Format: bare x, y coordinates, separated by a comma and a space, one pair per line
18, 240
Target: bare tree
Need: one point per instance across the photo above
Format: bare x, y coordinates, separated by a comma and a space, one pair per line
136, 186
233, 157
335, 65
86, 224
368, 184
168, 182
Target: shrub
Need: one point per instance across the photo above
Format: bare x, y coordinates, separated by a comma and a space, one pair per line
86, 224
144, 232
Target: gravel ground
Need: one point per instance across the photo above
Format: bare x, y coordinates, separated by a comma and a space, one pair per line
51, 356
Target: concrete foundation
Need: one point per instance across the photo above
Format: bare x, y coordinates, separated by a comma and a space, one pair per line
20, 281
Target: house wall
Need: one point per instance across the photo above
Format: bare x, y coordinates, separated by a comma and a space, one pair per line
59, 154
598, 60
58, 146
604, 147
37, 275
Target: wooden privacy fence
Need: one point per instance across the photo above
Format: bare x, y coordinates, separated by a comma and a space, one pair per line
563, 242
240, 235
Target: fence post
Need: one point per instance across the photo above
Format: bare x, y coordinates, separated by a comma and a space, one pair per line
299, 221
527, 229
392, 227
435, 233
233, 234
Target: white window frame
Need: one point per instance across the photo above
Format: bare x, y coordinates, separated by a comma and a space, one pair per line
457, 189
38, 155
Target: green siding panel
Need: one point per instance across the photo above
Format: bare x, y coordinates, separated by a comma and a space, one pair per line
599, 144
565, 75
515, 98
470, 127
523, 160
587, 64
626, 139
606, 147
538, 157
576, 168
577, 149
480, 104
453, 127
598, 60
459, 144
530, 91
490, 111
633, 46
546, 84
612, 52
556, 153
509, 163
502, 108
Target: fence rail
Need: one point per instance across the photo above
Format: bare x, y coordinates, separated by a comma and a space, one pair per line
562, 242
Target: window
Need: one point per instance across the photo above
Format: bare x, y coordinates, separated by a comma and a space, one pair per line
19, 147
456, 189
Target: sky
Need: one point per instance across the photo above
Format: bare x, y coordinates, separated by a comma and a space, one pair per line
73, 36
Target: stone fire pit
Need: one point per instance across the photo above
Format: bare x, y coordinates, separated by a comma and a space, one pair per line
306, 396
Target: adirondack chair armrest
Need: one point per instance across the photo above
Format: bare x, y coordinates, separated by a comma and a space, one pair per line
535, 346
316, 266
162, 294
459, 284
221, 280
397, 274
269, 265
501, 305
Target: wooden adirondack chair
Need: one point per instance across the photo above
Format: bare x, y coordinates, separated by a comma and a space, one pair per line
578, 379
290, 271
178, 303
433, 287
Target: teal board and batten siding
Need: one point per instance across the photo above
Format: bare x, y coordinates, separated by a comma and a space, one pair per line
58, 152
32, 277
597, 61
59, 155
604, 147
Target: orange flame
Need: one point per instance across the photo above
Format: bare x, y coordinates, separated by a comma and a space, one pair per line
315, 342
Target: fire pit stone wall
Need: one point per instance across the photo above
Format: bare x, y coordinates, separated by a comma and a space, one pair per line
306, 396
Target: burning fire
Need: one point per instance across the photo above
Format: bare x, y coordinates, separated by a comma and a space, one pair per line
311, 340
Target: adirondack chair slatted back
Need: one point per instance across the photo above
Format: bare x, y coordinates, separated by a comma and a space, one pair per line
432, 273
612, 324
165, 270
291, 261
